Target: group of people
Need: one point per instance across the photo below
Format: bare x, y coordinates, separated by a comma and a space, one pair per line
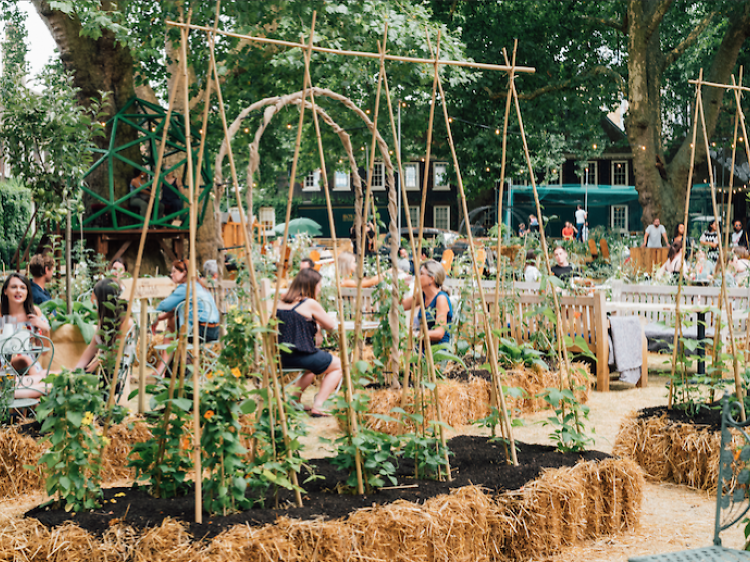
22, 296
302, 317
707, 254
170, 202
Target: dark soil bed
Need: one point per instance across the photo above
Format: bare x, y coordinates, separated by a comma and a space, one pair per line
475, 460
708, 414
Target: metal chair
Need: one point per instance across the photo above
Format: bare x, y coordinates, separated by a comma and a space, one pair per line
24, 342
732, 500
126, 365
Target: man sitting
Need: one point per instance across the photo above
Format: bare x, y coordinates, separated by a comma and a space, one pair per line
562, 268
41, 267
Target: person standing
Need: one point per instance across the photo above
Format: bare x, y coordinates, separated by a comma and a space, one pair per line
654, 234
581, 216
710, 241
739, 236
171, 202
41, 268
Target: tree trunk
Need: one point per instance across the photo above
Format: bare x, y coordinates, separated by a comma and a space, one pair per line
662, 185
98, 65
103, 65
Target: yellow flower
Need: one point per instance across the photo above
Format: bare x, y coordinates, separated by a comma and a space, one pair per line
209, 414
238, 319
88, 418
106, 441
219, 373
209, 375
120, 495
236, 372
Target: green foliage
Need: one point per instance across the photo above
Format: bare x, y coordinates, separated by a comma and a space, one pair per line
512, 354
15, 214
72, 465
223, 399
378, 452
271, 466
166, 469
45, 136
83, 316
569, 431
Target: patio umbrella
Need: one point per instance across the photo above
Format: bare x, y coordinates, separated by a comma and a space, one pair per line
300, 226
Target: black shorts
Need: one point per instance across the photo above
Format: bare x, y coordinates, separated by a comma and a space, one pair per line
316, 362
205, 333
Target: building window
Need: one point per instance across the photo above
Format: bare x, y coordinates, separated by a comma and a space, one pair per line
442, 216
619, 172
312, 181
340, 181
414, 216
440, 176
267, 217
619, 218
378, 177
411, 177
590, 174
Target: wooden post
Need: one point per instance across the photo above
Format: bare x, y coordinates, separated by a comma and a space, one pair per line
143, 357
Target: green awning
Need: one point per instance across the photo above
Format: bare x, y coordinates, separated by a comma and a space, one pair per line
575, 193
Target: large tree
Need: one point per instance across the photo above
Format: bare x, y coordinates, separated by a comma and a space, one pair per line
589, 56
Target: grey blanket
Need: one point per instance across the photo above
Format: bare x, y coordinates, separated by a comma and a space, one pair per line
626, 351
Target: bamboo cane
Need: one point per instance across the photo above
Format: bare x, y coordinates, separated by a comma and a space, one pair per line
562, 351
191, 280
466, 64
368, 195
343, 345
681, 275
269, 349
492, 345
417, 256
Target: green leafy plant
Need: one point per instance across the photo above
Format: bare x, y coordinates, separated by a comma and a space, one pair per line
72, 465
223, 399
569, 432
512, 354
83, 316
164, 462
378, 451
272, 461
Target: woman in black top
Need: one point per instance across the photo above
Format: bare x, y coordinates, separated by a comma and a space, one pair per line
299, 316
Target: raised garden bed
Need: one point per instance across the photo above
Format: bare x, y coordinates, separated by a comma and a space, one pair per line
672, 446
509, 512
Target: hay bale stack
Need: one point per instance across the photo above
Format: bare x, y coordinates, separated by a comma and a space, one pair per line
668, 451
563, 507
462, 403
18, 451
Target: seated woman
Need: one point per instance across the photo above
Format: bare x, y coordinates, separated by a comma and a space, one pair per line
17, 302
703, 271
438, 305
674, 262
347, 267
208, 313
113, 325
299, 315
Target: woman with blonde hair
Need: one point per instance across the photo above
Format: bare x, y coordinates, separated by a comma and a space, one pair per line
347, 266
439, 313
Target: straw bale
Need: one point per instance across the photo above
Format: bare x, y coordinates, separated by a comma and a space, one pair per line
16, 452
462, 403
169, 542
122, 437
563, 507
667, 451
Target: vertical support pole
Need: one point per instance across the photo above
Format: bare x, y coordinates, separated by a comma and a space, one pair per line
142, 357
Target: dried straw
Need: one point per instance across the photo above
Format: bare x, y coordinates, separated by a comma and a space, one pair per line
563, 507
18, 451
668, 451
463, 403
